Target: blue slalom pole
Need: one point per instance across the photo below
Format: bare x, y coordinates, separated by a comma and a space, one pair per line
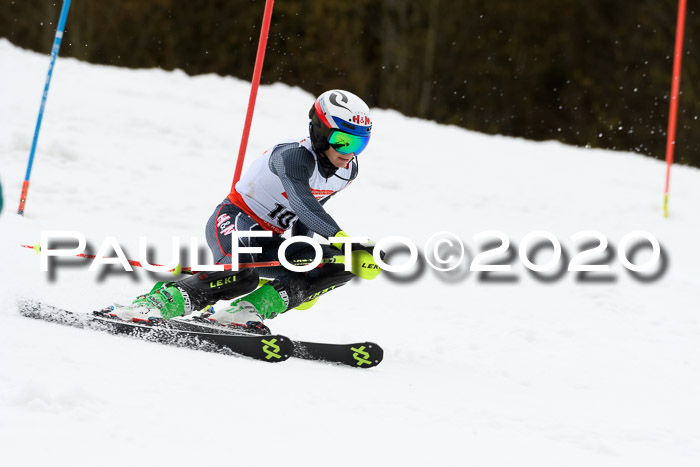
54, 54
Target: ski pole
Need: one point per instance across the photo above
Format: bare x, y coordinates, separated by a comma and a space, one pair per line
271, 264
37, 248
188, 270
54, 54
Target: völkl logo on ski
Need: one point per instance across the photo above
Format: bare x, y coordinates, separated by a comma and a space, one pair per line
275, 348
361, 356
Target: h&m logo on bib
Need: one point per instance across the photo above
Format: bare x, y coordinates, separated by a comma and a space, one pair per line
318, 194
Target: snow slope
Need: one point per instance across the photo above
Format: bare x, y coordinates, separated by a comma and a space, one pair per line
524, 372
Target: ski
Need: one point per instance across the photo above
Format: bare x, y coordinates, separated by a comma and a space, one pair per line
268, 348
358, 355
202, 335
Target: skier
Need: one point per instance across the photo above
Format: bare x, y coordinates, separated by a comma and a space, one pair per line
285, 189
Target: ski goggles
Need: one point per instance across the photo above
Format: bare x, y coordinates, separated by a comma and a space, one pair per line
345, 143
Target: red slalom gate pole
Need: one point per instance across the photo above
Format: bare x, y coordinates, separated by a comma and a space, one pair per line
675, 91
257, 71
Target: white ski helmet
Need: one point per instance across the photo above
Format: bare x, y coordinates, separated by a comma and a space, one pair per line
339, 119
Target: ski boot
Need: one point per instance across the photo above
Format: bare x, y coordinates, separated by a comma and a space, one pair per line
304, 306
247, 313
250, 326
172, 299
163, 302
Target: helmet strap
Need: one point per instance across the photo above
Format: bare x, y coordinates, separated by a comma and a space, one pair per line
357, 172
